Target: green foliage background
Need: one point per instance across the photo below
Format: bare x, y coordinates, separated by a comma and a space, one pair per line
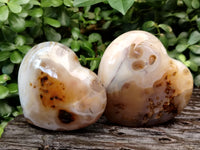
87, 27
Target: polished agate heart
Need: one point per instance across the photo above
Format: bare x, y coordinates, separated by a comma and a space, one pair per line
56, 92
144, 85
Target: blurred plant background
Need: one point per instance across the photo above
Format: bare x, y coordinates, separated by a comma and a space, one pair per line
87, 27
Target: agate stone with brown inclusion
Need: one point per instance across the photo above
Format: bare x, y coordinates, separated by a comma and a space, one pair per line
56, 92
144, 85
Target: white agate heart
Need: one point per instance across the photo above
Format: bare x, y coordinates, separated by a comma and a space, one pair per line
144, 85
56, 92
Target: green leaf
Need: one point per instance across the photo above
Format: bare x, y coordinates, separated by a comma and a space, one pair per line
193, 66
188, 3
17, 23
64, 19
19, 111
49, 3
91, 22
6, 46
121, 5
75, 33
21, 2
195, 4
181, 57
83, 60
89, 15
51, 12
3, 1
46, 3
15, 57
94, 37
101, 48
4, 13
8, 34
36, 31
23, 13
148, 25
14, 7
20, 40
181, 15
13, 88
67, 42
29, 40
3, 93
24, 48
194, 38
197, 80
4, 55
106, 24
106, 14
68, 3
5, 109
4, 123
8, 69
87, 46
51, 34
198, 23
4, 78
182, 41
52, 22
165, 27
182, 35
195, 49
194, 18
75, 46
56, 3
29, 23
83, 3
34, 2
97, 11
163, 39
16, 113
169, 5
27, 6
1, 131
94, 65
36, 12
181, 47
87, 9
195, 59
